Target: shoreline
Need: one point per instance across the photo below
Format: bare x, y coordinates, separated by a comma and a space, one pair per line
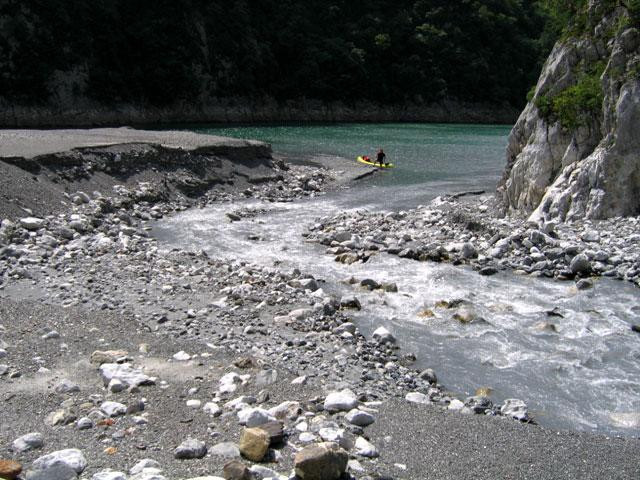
192, 321
86, 114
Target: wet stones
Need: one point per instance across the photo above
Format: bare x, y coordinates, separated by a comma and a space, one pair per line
580, 265
478, 404
322, 461
382, 336
515, 408
468, 251
429, 375
488, 271
350, 302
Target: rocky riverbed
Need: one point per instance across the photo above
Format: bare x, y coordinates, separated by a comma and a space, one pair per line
123, 360
453, 229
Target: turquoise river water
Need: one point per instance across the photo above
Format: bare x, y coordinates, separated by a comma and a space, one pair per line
586, 377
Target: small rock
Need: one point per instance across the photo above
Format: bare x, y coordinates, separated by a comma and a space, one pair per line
263, 473
274, 431
9, 469
322, 461
429, 375
359, 418
128, 375
236, 470
85, 423
515, 408
286, 410
108, 356
116, 385
27, 442
299, 380
488, 271
344, 400
72, 458
252, 417
580, 265
266, 377
417, 397
254, 443
66, 386
478, 404
212, 409
584, 284
468, 251
109, 475
113, 409
350, 301
181, 356
337, 435
51, 335
382, 335
31, 223
365, 448
142, 464
190, 448
225, 450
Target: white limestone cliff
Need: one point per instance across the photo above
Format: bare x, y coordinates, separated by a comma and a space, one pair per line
591, 170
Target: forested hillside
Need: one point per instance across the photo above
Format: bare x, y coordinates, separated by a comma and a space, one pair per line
164, 52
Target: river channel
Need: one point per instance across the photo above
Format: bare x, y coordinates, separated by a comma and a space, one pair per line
584, 377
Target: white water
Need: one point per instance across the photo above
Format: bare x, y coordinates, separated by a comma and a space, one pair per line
584, 377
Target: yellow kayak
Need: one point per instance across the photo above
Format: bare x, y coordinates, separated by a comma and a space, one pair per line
361, 159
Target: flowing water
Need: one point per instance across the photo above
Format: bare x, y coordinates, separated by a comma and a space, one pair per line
583, 377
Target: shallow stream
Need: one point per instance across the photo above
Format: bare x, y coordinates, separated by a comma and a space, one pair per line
585, 376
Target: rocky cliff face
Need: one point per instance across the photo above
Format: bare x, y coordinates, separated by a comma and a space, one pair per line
575, 150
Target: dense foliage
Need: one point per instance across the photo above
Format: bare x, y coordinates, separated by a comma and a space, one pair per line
167, 51
578, 104
571, 17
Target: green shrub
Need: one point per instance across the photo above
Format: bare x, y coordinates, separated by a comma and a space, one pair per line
633, 6
531, 93
545, 106
575, 105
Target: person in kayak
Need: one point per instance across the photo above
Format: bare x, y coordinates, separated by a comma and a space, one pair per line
380, 158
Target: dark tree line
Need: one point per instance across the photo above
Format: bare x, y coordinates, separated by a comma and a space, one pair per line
169, 51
